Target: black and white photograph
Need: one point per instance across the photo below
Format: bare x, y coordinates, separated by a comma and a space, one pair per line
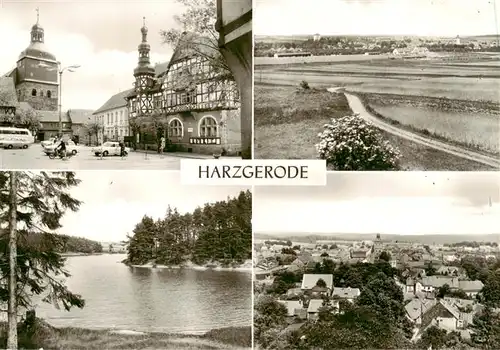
124, 84
378, 84
379, 260
89, 262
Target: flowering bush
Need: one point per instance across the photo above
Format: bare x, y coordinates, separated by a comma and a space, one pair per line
350, 143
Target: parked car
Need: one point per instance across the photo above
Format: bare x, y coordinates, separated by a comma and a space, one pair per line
48, 142
71, 147
109, 148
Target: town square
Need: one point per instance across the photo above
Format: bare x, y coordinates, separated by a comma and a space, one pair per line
142, 93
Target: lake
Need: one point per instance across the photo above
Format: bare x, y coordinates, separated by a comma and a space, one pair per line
152, 300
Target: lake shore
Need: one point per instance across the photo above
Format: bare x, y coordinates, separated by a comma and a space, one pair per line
72, 254
48, 337
245, 267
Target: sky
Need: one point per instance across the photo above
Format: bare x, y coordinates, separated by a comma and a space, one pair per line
100, 36
385, 202
447, 18
115, 201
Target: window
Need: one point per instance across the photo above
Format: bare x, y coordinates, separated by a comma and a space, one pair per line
157, 101
208, 127
183, 98
175, 128
170, 100
33, 92
49, 94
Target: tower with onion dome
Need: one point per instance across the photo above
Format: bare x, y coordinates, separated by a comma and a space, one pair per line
36, 77
144, 75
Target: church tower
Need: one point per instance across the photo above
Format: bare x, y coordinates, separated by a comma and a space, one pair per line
36, 74
144, 74
378, 245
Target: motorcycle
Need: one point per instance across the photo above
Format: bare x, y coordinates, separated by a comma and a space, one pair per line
59, 154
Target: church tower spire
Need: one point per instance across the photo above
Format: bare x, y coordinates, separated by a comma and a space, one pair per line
144, 70
37, 30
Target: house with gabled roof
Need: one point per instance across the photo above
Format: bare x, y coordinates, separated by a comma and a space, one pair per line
309, 281
348, 293
313, 308
471, 288
113, 118
293, 307
80, 118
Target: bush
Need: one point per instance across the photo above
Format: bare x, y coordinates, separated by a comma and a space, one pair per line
350, 143
304, 85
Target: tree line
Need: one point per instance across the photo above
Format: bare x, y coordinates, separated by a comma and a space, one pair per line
69, 244
218, 233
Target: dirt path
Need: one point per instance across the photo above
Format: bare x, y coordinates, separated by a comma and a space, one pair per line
358, 108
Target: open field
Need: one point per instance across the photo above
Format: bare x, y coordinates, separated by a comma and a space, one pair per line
455, 99
293, 134
53, 338
478, 57
404, 77
287, 122
271, 61
444, 118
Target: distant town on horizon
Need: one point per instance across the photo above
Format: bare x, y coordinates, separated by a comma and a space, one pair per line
260, 36
424, 237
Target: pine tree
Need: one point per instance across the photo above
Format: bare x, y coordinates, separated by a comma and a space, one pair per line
12, 310
217, 232
142, 244
33, 204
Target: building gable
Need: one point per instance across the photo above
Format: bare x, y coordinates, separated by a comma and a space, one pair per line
114, 102
191, 44
8, 97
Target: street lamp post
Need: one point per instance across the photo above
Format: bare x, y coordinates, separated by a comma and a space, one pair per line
61, 71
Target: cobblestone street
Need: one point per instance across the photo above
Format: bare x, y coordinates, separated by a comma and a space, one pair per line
34, 158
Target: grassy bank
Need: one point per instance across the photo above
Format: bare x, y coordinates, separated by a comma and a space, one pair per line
45, 336
288, 120
416, 157
468, 124
419, 157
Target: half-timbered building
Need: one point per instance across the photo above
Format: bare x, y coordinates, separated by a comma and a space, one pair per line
193, 102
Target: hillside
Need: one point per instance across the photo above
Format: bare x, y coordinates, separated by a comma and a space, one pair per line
66, 243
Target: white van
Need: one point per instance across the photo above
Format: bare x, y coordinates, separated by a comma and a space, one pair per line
15, 137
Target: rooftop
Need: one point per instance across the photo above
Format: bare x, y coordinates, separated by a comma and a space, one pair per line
347, 293
193, 44
310, 280
79, 116
314, 305
291, 305
115, 101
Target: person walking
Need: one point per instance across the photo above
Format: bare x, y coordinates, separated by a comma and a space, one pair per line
162, 145
122, 150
